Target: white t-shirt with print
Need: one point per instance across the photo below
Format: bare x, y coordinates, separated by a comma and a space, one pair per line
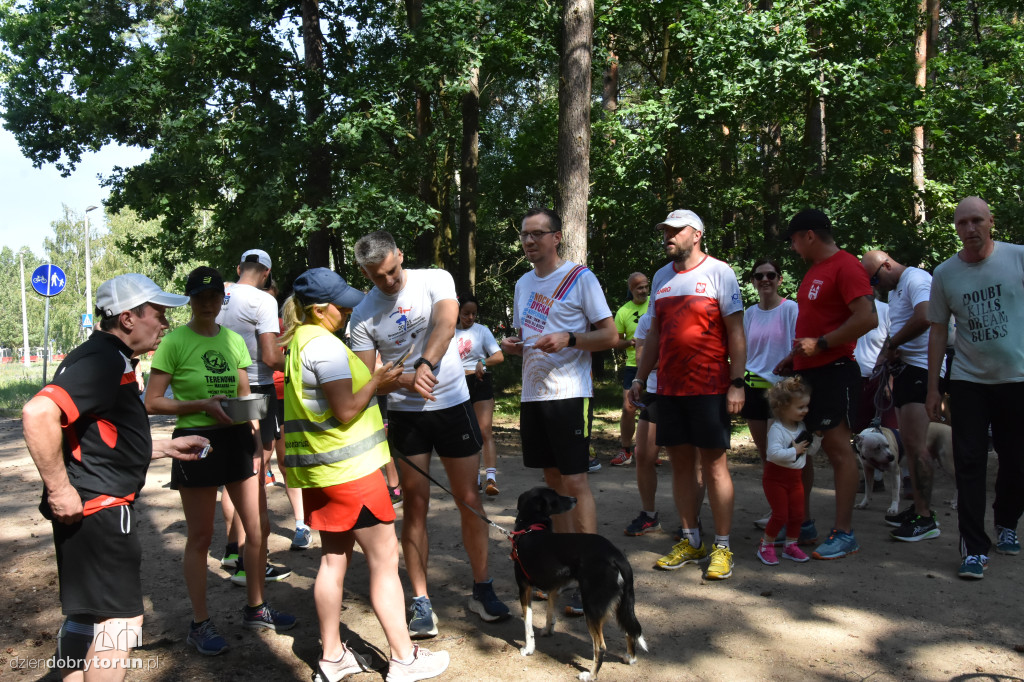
567, 300
914, 288
393, 324
475, 344
250, 312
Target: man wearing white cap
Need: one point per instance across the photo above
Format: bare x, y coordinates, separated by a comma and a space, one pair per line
88, 434
252, 313
697, 329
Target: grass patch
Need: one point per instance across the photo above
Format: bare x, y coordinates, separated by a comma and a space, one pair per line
17, 385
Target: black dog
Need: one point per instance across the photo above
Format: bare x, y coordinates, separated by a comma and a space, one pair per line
549, 561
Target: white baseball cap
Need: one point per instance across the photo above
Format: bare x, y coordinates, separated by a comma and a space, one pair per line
682, 218
125, 292
256, 256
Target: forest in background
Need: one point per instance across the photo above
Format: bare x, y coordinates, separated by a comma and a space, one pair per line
300, 125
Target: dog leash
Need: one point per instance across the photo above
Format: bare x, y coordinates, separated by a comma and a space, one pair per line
883, 400
506, 533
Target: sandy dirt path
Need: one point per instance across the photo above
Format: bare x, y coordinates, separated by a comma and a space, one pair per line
894, 611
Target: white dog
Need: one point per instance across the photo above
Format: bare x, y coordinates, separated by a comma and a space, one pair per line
879, 448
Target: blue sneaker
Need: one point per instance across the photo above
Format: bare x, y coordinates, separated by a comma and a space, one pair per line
838, 545
263, 616
485, 603
424, 622
1007, 542
808, 533
973, 567
303, 538
205, 638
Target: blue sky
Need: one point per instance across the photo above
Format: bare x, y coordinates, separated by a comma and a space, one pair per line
32, 198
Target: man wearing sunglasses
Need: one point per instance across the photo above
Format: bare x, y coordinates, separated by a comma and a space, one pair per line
906, 351
837, 306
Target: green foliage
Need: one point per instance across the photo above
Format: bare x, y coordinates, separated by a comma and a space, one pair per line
713, 114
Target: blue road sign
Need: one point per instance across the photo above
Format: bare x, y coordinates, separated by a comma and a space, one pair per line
48, 280
87, 321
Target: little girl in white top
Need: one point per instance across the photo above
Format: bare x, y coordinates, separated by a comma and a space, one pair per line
783, 480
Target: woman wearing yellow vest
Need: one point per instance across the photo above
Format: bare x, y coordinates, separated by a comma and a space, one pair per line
334, 447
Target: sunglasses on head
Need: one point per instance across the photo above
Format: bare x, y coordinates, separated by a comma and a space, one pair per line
772, 276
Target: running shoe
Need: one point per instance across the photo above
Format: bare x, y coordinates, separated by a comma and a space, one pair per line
594, 465
424, 622
424, 665
230, 559
682, 553
916, 529
623, 458
794, 553
766, 553
808, 533
350, 663
897, 520
205, 638
973, 567
263, 616
720, 566
274, 574
303, 538
1007, 542
643, 524
492, 487
574, 605
485, 603
838, 545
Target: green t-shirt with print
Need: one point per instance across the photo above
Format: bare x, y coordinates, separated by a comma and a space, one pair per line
201, 367
626, 319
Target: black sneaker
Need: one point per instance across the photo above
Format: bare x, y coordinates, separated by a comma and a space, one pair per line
918, 528
897, 520
274, 574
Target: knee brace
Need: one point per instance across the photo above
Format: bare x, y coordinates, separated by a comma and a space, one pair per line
73, 642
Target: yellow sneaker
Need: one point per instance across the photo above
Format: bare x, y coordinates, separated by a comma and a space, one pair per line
681, 554
720, 566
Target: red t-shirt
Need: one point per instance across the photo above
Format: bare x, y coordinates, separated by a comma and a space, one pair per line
824, 298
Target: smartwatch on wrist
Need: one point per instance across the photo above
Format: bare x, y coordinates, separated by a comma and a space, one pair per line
737, 382
572, 340
424, 361
822, 343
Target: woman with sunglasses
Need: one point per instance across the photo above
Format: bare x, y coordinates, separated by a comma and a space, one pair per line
770, 326
335, 446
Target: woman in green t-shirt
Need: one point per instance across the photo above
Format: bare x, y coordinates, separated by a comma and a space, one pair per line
203, 363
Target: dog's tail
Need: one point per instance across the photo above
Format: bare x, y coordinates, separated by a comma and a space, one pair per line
625, 613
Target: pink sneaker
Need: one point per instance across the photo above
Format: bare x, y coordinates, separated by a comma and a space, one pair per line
794, 553
766, 553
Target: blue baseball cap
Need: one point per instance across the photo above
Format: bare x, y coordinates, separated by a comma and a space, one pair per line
322, 285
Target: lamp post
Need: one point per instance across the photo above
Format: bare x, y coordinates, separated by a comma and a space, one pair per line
88, 267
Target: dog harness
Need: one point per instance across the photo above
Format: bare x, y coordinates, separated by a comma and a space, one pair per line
514, 537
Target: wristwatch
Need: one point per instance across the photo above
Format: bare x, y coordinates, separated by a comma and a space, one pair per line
572, 340
424, 361
737, 382
822, 343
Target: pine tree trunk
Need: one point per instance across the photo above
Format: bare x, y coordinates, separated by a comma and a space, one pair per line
469, 183
317, 187
574, 89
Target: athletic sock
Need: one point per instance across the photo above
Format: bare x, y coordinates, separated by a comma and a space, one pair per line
722, 540
491, 473
693, 535
649, 514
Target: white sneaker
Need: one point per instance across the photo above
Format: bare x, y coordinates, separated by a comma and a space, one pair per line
350, 663
424, 665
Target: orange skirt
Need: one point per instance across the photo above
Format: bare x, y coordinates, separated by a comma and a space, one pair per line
337, 508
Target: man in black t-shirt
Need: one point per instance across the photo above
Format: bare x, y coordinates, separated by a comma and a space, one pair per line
88, 434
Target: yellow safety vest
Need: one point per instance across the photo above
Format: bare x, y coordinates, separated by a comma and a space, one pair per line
320, 450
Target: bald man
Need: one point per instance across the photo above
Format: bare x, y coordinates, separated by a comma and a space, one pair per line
982, 288
905, 350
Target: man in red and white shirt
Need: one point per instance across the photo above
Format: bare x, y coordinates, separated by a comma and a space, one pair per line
837, 306
697, 329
